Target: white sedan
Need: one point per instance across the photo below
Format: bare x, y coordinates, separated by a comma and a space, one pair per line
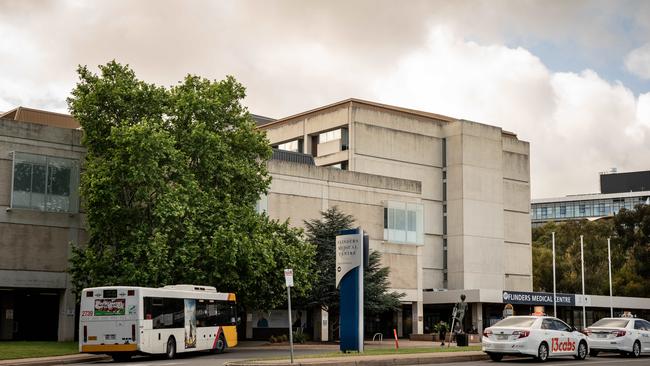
628, 336
538, 336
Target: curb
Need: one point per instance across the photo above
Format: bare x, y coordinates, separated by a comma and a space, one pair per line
55, 360
419, 360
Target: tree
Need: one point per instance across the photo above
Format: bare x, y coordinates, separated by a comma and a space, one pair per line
629, 231
322, 233
171, 179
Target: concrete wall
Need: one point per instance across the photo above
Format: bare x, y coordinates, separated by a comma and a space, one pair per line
35, 245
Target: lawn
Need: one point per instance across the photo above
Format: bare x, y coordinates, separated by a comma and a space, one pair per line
14, 350
389, 351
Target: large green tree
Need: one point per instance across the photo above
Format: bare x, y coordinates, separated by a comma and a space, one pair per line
169, 187
629, 231
322, 233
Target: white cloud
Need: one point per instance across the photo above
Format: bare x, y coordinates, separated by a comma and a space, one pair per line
577, 124
638, 61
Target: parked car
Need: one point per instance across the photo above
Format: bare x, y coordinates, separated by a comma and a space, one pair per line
627, 336
541, 337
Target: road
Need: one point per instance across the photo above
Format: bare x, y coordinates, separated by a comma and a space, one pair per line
207, 359
595, 361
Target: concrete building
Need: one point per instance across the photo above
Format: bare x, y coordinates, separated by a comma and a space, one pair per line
618, 191
40, 155
456, 213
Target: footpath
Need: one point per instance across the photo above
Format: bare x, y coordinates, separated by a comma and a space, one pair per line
54, 360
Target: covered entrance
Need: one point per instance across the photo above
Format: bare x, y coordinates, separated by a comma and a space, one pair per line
29, 314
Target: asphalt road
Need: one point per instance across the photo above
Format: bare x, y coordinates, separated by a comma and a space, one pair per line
595, 361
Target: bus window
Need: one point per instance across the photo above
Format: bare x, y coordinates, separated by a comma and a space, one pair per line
165, 312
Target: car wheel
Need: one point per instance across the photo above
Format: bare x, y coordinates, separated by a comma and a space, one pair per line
496, 357
220, 345
171, 348
636, 349
593, 353
582, 351
542, 352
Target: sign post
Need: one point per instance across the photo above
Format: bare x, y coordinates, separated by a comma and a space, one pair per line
349, 280
288, 279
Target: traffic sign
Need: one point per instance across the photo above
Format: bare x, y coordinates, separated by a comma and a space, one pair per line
288, 277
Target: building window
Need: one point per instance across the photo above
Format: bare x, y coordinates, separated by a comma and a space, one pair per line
45, 183
403, 222
295, 146
329, 136
582, 209
562, 211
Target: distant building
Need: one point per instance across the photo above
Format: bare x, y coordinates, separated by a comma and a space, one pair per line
618, 190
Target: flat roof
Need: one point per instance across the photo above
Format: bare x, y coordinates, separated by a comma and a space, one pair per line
589, 196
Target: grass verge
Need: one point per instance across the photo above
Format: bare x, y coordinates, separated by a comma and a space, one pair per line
26, 349
385, 351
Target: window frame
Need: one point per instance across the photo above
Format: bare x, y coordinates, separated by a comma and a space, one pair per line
73, 182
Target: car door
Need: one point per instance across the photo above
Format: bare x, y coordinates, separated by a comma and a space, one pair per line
566, 344
645, 335
549, 334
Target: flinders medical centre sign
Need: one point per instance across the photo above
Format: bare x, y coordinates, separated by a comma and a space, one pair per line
538, 298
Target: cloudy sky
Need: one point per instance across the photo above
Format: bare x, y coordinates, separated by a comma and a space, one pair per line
570, 77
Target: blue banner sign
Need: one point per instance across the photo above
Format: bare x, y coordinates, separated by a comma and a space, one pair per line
538, 298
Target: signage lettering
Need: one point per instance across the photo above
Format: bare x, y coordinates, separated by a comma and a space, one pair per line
557, 346
538, 298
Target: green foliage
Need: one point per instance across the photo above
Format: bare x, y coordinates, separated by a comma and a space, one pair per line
322, 233
299, 337
440, 326
630, 251
171, 179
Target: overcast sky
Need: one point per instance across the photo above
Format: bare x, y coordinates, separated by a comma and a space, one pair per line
570, 77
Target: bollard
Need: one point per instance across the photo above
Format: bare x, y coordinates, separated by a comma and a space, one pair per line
396, 341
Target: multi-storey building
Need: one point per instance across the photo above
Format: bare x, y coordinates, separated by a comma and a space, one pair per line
618, 191
445, 201
40, 156
465, 230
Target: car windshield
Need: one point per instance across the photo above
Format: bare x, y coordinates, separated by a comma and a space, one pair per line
611, 323
515, 322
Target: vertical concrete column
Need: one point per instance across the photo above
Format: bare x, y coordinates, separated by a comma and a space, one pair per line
400, 323
477, 316
418, 317
66, 315
306, 143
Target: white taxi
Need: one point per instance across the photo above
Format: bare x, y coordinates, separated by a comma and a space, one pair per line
627, 336
538, 336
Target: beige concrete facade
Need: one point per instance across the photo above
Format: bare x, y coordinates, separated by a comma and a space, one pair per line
35, 244
475, 193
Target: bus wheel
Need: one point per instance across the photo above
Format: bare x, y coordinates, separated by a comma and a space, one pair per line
121, 357
221, 345
171, 348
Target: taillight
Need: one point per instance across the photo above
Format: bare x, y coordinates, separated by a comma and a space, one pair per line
619, 333
133, 332
521, 333
85, 333
487, 333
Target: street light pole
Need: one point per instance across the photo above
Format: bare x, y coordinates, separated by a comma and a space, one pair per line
582, 260
609, 260
554, 294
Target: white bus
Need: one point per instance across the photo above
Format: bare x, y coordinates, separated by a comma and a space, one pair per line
123, 321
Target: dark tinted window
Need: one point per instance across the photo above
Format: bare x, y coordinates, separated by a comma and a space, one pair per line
210, 313
561, 326
638, 324
165, 312
547, 324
